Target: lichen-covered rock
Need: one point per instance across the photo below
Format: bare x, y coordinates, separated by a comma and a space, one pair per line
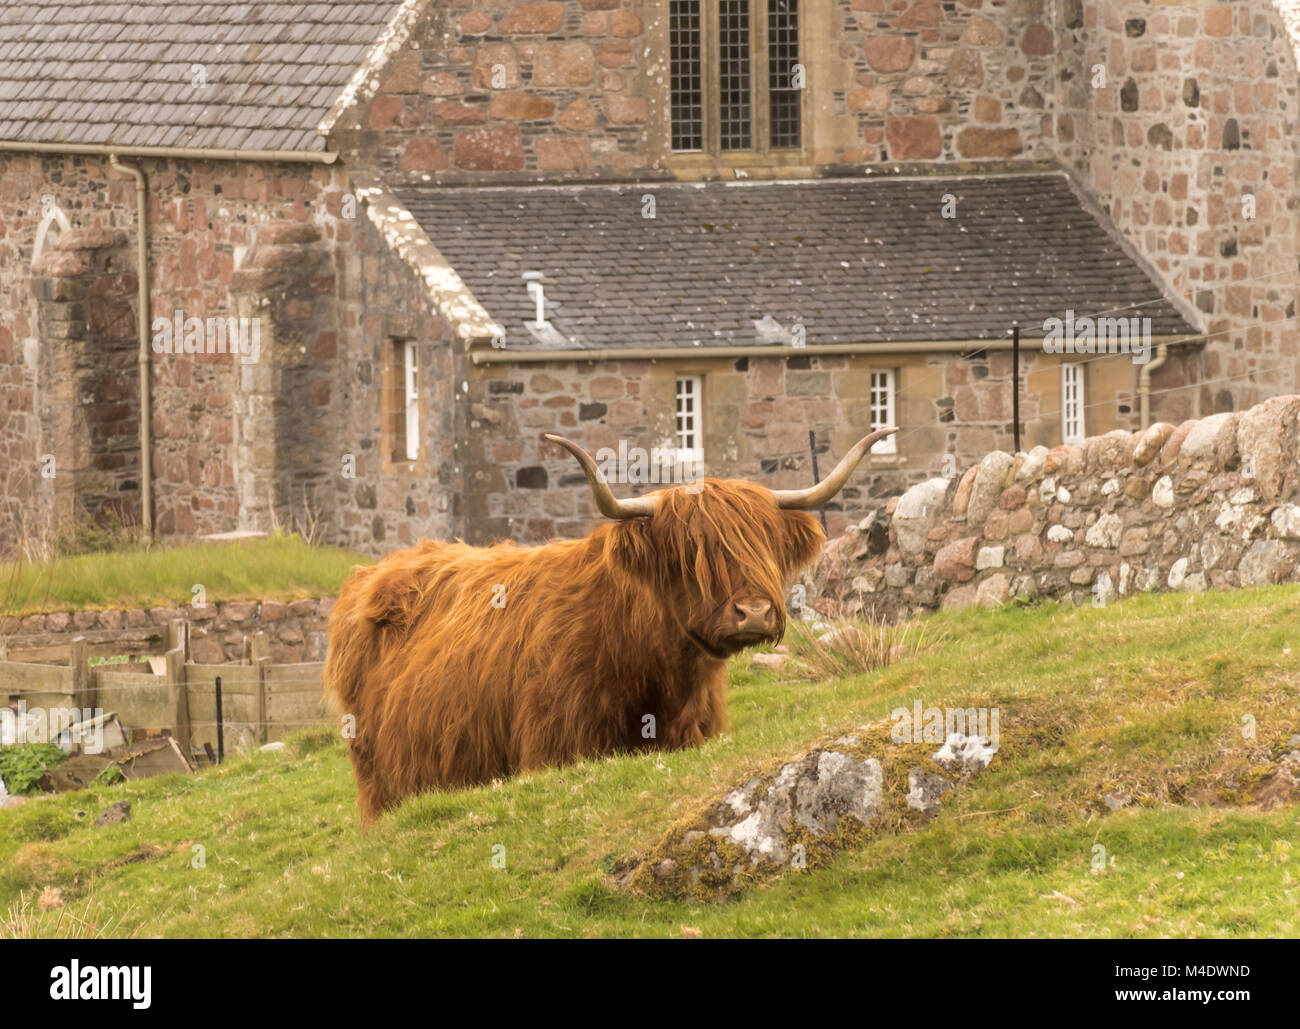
798, 816
964, 754
924, 789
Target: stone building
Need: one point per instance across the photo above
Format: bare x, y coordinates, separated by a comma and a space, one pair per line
386, 246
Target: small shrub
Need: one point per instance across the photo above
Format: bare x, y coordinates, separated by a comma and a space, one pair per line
110, 776
23, 764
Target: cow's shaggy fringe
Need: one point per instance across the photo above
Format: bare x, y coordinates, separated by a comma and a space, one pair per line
586, 639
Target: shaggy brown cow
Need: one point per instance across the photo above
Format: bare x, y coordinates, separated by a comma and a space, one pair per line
463, 664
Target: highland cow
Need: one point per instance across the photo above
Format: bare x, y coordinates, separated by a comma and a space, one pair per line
465, 664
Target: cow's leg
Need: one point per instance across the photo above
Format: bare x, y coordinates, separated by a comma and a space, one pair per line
371, 799
702, 716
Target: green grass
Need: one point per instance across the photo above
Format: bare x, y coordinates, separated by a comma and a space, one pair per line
276, 568
1146, 696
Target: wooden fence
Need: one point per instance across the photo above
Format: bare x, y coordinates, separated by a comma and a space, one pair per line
261, 701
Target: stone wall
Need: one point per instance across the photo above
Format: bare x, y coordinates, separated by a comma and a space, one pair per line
389, 503
203, 218
236, 446
297, 630
578, 89
964, 81
954, 409
1208, 504
1178, 117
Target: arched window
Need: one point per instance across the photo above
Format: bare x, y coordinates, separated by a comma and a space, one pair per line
53, 224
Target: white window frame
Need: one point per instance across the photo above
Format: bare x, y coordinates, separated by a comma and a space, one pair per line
1074, 402
411, 383
688, 404
881, 394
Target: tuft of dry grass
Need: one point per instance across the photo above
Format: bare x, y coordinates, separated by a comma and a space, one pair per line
46, 916
835, 648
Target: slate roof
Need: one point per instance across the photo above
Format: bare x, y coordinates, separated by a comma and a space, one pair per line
100, 72
858, 261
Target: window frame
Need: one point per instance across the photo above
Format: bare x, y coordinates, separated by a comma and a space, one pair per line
1073, 370
760, 149
888, 446
411, 408
689, 459
401, 402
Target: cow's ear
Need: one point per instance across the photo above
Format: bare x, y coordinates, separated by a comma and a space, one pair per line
803, 539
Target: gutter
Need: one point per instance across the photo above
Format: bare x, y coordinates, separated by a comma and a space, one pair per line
184, 153
143, 323
486, 357
1144, 383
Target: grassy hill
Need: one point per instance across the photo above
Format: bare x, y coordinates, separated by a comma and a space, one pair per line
1148, 698
281, 567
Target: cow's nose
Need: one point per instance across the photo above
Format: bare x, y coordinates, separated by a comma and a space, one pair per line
754, 616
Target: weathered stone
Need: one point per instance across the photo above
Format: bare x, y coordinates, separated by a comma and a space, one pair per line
1266, 562
520, 107
993, 591
918, 511
924, 789
115, 814
913, 138
980, 31
1203, 442
1286, 521
1109, 452
1149, 442
544, 18
564, 64
989, 557
1267, 442
956, 561
423, 154
961, 499
496, 148
990, 480
890, 53
975, 142
578, 116
1059, 534
1106, 532
842, 787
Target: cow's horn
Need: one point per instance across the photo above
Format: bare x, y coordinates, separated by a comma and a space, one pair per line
608, 505
816, 496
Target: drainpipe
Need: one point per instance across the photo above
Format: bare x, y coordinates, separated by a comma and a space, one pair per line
143, 322
1144, 382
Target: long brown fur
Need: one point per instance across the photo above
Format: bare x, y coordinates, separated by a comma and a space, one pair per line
593, 635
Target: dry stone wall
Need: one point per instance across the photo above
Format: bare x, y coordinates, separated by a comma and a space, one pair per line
297, 630
1208, 504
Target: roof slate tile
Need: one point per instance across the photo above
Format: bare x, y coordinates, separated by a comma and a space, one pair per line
122, 73
863, 261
